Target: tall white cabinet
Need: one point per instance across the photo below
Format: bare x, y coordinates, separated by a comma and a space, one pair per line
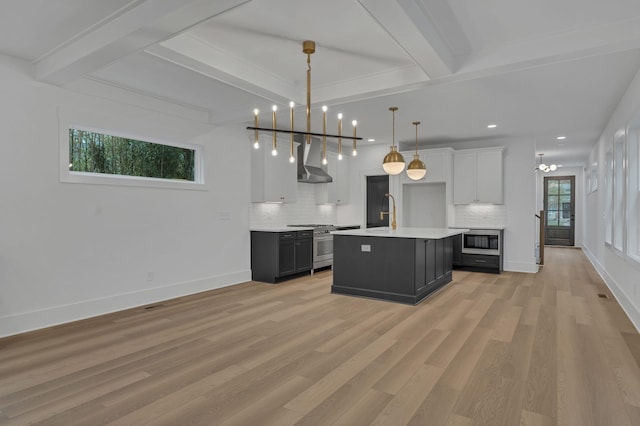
273, 178
477, 176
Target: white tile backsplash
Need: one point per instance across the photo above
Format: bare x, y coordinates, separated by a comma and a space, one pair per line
481, 215
303, 211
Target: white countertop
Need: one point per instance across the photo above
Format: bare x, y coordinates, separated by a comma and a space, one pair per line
281, 229
427, 233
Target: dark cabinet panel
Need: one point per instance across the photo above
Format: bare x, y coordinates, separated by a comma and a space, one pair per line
287, 257
303, 255
480, 260
430, 263
439, 260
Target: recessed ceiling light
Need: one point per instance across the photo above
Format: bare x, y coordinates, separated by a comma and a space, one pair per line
492, 126
371, 140
561, 138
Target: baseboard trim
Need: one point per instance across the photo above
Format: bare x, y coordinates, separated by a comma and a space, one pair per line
35, 320
633, 313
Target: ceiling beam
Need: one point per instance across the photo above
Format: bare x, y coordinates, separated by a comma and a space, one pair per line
132, 29
436, 51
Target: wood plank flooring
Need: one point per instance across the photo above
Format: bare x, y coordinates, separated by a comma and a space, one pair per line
508, 349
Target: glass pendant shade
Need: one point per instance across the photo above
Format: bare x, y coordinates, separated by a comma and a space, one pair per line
393, 162
416, 169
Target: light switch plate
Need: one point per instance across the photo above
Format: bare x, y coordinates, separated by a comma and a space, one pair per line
365, 247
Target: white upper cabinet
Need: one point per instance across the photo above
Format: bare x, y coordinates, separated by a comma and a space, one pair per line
437, 161
336, 192
477, 176
273, 178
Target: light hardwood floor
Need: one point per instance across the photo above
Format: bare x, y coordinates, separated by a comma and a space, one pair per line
508, 349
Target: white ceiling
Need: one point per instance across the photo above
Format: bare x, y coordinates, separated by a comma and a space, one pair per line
536, 68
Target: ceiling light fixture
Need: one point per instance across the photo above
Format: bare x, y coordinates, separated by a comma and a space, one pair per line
393, 162
491, 126
308, 48
546, 168
416, 169
561, 138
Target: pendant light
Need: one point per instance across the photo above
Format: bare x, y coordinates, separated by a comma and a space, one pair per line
393, 162
546, 168
416, 169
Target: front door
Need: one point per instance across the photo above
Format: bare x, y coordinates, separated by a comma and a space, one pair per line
559, 203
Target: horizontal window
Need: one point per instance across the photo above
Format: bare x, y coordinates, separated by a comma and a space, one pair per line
92, 152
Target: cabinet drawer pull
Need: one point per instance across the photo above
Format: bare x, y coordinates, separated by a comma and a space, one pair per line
480, 261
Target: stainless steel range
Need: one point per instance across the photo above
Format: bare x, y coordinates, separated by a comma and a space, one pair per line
322, 244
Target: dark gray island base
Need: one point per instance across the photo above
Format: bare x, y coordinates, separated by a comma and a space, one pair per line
401, 269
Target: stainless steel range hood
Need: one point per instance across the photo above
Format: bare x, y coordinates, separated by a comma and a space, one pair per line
310, 168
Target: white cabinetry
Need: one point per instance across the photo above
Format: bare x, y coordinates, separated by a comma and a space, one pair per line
336, 192
477, 176
437, 161
273, 178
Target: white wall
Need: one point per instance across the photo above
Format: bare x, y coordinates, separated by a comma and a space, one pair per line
519, 195
70, 251
424, 205
621, 274
303, 211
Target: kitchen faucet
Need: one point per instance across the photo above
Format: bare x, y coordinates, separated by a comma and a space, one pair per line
382, 213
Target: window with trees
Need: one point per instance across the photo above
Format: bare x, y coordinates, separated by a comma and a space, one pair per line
92, 152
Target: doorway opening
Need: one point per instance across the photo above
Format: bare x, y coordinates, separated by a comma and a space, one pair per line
377, 201
560, 206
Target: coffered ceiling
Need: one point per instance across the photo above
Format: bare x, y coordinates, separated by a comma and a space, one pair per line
536, 68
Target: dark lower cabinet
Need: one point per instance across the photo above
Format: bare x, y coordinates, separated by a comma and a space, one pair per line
476, 262
276, 256
402, 270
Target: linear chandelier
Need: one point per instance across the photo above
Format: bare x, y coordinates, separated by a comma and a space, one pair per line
308, 48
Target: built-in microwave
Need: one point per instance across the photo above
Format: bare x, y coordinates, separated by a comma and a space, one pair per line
482, 241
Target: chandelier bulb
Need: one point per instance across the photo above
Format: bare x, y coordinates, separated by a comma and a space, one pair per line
274, 152
256, 145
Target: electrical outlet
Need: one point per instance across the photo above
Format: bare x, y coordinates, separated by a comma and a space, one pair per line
150, 276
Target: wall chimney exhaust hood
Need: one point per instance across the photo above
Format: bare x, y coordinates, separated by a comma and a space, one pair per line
310, 168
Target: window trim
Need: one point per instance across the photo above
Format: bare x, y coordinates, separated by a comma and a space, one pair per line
633, 173
619, 193
608, 201
68, 176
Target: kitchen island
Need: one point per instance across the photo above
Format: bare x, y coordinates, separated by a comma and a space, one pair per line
403, 265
